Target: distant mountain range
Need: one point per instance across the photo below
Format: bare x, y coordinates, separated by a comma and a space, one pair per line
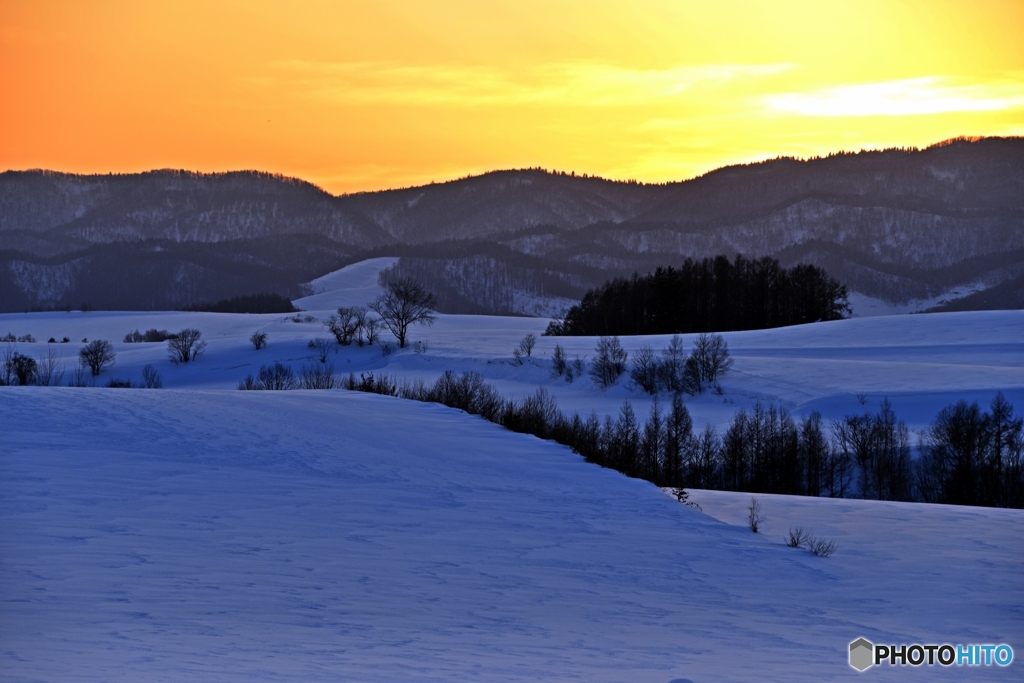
897, 225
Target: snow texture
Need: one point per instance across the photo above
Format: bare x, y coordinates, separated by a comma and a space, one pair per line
206, 534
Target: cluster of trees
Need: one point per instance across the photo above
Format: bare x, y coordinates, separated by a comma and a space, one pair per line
403, 304
96, 356
973, 457
280, 377
18, 369
151, 335
250, 303
968, 456
673, 371
707, 295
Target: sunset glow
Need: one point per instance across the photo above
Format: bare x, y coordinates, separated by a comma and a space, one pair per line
362, 96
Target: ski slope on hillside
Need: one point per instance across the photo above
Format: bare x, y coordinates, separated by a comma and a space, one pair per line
323, 536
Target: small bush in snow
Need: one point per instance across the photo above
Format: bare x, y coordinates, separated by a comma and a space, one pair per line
322, 347
258, 340
276, 377
822, 548
372, 384
119, 383
317, 376
683, 496
755, 517
798, 538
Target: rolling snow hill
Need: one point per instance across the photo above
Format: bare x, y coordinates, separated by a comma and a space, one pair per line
204, 533
321, 536
920, 362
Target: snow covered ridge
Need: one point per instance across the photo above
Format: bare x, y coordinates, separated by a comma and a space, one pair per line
190, 534
839, 447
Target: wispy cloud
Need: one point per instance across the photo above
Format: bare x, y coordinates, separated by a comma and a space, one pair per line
909, 97
565, 84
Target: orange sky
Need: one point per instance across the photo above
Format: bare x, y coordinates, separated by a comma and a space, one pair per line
371, 95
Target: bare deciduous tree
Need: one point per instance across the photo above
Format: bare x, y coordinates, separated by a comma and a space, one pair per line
97, 355
276, 377
558, 362
21, 368
405, 303
755, 518
610, 362
347, 324
372, 329
49, 369
527, 344
711, 357
259, 340
322, 347
186, 346
317, 376
151, 379
798, 538
644, 372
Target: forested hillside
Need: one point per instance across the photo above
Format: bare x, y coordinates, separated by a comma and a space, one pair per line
898, 225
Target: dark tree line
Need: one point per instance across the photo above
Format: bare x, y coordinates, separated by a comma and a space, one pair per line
265, 302
969, 457
712, 294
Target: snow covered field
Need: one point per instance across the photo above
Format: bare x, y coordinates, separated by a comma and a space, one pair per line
202, 533
240, 536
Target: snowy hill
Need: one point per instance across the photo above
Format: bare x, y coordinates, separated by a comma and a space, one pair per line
204, 533
354, 285
287, 536
921, 363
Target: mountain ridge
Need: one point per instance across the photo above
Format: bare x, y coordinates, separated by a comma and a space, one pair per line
868, 212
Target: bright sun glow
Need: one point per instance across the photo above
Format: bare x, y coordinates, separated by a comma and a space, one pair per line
357, 96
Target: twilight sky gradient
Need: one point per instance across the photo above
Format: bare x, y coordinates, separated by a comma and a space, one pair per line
371, 95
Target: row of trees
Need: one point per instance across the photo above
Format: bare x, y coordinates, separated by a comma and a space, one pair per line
18, 369
968, 456
673, 370
712, 294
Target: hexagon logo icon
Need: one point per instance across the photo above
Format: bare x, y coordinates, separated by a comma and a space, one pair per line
862, 654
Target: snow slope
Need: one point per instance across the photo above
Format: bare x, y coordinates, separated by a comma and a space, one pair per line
202, 533
323, 536
920, 362
353, 285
